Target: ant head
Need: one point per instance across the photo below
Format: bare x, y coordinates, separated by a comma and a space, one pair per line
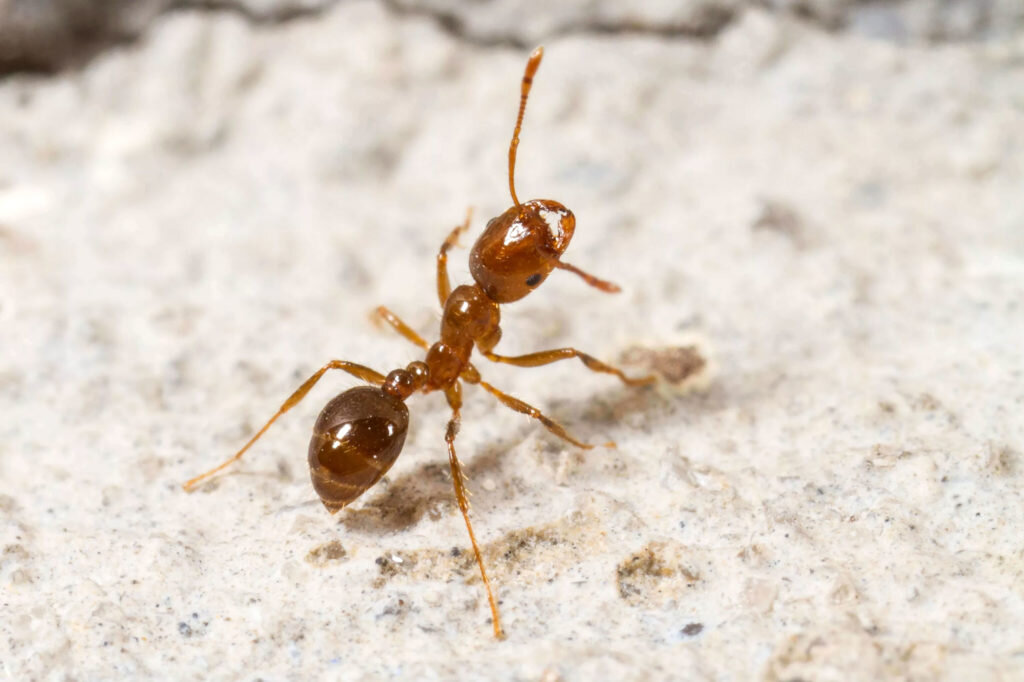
520, 248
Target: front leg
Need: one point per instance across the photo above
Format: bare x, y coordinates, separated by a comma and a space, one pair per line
444, 285
396, 323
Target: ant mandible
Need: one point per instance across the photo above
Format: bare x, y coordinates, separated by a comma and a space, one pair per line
360, 433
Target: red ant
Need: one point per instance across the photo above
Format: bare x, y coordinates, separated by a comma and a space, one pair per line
360, 433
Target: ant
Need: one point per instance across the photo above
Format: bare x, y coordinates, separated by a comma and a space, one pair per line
360, 433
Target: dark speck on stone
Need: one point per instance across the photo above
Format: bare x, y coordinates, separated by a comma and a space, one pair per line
185, 629
693, 629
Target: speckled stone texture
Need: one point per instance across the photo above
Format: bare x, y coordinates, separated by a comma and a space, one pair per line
193, 223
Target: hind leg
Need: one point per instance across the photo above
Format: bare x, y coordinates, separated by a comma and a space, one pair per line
359, 371
462, 497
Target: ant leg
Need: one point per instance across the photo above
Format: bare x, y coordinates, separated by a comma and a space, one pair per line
546, 357
527, 409
358, 371
596, 282
444, 286
470, 374
454, 396
401, 327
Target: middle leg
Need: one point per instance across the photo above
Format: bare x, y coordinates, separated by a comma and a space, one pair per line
529, 410
546, 357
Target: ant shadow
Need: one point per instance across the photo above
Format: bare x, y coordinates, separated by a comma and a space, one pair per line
610, 408
425, 491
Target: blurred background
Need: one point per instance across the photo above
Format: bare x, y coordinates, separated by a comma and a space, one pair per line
201, 202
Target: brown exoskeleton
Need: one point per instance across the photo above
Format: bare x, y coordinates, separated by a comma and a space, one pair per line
360, 433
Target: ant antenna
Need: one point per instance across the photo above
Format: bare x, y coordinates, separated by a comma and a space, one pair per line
531, 69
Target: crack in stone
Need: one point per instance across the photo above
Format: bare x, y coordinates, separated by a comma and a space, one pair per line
48, 36
279, 15
711, 21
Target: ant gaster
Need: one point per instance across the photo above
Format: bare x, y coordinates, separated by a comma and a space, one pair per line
360, 433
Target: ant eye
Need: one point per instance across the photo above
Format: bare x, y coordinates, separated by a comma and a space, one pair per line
533, 280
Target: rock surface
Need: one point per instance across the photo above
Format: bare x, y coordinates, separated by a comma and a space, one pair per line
191, 224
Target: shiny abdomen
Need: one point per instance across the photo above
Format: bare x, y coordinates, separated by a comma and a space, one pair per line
356, 439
